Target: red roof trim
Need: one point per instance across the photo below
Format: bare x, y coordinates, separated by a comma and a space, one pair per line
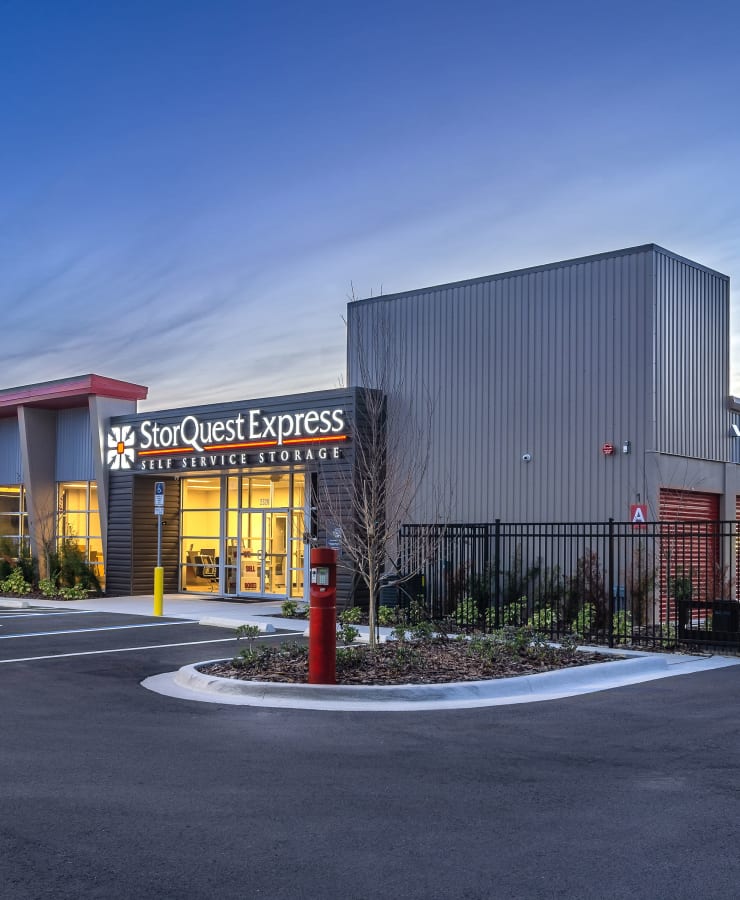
72, 389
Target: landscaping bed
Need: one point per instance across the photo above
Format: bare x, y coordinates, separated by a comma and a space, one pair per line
416, 661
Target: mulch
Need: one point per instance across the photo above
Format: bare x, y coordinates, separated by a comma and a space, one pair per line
407, 663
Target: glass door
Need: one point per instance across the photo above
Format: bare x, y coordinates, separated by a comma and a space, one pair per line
264, 557
276, 552
252, 553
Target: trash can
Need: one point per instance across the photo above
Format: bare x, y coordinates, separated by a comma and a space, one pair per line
725, 616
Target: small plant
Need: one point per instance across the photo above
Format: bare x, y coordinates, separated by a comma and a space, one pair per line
622, 626
386, 616
667, 634
569, 643
515, 612
346, 634
541, 620
680, 587
48, 587
423, 631
250, 632
303, 610
351, 616
76, 592
346, 657
468, 612
399, 634
289, 608
15, 583
487, 647
585, 620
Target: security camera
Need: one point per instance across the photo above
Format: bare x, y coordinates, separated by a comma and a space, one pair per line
526, 457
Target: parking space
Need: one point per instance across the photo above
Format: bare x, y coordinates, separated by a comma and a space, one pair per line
42, 635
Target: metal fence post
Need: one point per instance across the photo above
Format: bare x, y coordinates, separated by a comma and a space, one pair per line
610, 582
496, 571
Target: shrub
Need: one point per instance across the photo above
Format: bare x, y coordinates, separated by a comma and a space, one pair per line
541, 620
351, 616
622, 626
289, 608
585, 620
76, 592
250, 632
15, 583
48, 586
346, 634
514, 613
72, 568
467, 612
386, 616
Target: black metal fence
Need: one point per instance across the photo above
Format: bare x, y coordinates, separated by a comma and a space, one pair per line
660, 584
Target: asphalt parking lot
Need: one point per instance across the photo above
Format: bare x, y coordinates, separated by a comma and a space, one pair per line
34, 635
112, 791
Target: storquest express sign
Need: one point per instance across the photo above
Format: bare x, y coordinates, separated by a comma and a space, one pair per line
250, 438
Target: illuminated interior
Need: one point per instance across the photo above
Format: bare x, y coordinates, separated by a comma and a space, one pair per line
78, 522
250, 544
13, 520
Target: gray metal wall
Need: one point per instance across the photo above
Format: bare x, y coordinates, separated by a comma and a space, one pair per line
692, 364
553, 361
74, 456
11, 469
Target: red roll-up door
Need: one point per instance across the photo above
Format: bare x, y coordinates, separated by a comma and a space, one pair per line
690, 549
682, 506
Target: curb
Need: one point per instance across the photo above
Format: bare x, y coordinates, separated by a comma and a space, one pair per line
218, 622
6, 603
190, 684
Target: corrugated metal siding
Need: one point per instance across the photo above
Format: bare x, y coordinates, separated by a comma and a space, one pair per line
551, 362
74, 446
691, 360
145, 535
118, 563
734, 441
11, 466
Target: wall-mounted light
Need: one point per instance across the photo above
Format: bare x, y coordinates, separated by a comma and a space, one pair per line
626, 446
734, 430
526, 457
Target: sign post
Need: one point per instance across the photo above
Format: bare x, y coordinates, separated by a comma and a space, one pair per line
159, 571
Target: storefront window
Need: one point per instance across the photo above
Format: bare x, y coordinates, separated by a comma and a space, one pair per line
13, 520
262, 550
78, 522
200, 533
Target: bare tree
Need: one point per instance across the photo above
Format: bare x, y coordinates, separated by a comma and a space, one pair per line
43, 523
391, 450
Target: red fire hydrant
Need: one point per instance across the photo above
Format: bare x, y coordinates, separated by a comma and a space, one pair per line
322, 632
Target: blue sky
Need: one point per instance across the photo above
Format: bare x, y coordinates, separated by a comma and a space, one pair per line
188, 190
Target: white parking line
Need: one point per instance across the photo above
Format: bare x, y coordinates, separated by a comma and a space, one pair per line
120, 650
46, 615
11, 637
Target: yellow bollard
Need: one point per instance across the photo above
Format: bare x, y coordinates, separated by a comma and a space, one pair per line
158, 590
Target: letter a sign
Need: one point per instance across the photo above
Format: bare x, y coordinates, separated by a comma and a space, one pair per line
638, 515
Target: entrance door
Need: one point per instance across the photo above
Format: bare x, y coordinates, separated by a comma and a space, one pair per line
264, 555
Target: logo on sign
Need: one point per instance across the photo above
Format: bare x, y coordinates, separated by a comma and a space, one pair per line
121, 440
